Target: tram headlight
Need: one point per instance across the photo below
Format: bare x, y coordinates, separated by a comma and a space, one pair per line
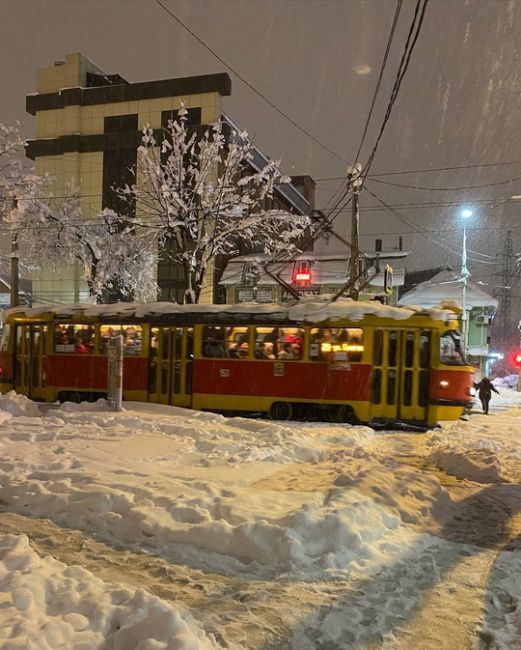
444, 383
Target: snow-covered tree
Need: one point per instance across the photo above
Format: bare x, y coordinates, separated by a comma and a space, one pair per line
202, 198
116, 256
15, 182
12, 177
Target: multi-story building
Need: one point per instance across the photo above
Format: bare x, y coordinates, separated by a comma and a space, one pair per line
88, 127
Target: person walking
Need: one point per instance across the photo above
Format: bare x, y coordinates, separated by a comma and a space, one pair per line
485, 388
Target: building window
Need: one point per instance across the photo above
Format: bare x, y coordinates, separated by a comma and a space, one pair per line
118, 123
170, 275
119, 165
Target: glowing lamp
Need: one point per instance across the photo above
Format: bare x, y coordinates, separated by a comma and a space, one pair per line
516, 358
302, 272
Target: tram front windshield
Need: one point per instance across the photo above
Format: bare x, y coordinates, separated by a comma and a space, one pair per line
451, 349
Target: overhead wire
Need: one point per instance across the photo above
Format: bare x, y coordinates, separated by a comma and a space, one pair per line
380, 75
425, 170
410, 43
369, 115
248, 84
447, 189
436, 239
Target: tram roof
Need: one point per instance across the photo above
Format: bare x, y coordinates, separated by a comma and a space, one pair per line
306, 310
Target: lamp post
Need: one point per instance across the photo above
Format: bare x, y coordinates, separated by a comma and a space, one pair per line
465, 215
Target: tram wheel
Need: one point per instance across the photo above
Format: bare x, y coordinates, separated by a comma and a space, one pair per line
281, 411
344, 414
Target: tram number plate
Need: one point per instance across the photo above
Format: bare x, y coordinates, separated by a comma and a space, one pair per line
224, 372
278, 369
341, 366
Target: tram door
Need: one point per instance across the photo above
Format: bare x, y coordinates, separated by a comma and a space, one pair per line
400, 374
29, 365
170, 365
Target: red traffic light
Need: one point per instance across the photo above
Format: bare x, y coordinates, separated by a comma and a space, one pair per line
516, 358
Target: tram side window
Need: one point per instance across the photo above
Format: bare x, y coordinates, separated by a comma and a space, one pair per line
451, 352
425, 349
74, 339
213, 342
378, 349
132, 338
19, 338
284, 343
237, 342
409, 350
336, 344
4, 343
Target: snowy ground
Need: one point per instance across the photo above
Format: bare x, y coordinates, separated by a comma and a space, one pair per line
160, 528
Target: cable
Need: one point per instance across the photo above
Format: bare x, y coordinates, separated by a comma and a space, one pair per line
424, 171
444, 230
412, 38
247, 83
436, 204
446, 189
380, 75
417, 229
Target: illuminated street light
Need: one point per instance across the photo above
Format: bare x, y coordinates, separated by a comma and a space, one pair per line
465, 215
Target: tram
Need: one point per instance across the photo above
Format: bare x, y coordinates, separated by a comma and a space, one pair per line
344, 361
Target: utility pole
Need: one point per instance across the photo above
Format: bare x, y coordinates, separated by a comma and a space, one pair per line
505, 293
14, 266
14, 271
353, 176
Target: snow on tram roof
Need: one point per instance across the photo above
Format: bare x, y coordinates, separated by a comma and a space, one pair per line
311, 309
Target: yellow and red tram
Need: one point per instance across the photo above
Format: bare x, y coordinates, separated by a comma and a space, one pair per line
343, 361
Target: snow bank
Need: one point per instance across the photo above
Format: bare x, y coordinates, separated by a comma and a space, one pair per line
479, 465
510, 381
17, 405
84, 407
348, 528
46, 604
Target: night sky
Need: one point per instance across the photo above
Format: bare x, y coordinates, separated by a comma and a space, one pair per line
318, 62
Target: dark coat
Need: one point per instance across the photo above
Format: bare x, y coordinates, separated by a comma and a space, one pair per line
485, 387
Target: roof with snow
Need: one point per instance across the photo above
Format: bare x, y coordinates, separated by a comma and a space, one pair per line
326, 270
446, 286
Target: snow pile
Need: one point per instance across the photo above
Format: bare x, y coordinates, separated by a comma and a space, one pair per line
18, 405
46, 604
479, 465
347, 528
484, 448
510, 381
73, 407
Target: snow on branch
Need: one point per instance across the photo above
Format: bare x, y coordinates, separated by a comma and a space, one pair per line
199, 194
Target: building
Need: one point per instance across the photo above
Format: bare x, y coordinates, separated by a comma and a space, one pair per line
88, 128
254, 278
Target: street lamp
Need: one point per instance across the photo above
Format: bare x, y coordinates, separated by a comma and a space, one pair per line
465, 215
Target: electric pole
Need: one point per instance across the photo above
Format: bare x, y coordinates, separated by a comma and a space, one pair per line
14, 265
502, 322
354, 180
